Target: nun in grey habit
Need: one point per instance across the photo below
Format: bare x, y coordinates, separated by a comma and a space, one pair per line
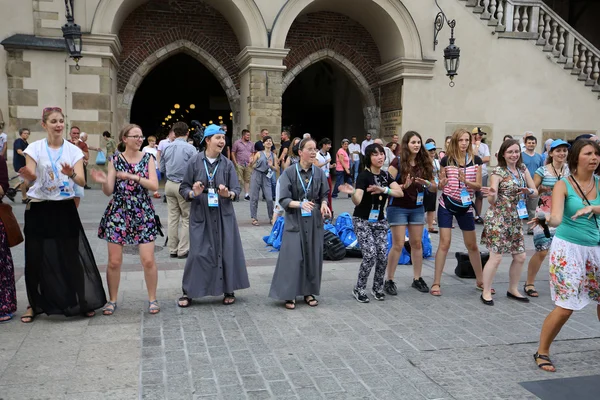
215, 265
303, 189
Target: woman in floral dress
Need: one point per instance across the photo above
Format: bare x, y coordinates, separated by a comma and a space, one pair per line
575, 249
545, 178
129, 218
503, 233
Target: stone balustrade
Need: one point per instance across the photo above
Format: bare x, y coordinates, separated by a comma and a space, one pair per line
535, 20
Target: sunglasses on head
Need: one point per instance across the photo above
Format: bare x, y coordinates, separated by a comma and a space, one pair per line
50, 109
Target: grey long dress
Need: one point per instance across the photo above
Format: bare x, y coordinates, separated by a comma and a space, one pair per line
300, 262
216, 263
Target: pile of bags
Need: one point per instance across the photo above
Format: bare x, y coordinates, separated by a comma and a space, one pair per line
340, 240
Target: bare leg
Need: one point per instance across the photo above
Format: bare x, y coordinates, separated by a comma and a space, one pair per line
551, 327
150, 270
429, 215
489, 272
470, 238
514, 273
534, 266
441, 254
398, 234
415, 237
113, 271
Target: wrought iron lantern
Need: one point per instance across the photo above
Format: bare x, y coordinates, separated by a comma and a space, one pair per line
452, 52
72, 34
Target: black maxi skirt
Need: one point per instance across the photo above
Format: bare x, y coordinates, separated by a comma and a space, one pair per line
61, 275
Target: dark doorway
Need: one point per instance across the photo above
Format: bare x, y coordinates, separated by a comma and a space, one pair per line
324, 102
184, 81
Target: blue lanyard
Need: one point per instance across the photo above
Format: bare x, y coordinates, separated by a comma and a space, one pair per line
211, 177
306, 188
53, 162
518, 180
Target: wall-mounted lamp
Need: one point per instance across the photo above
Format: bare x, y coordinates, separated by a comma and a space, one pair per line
452, 52
72, 34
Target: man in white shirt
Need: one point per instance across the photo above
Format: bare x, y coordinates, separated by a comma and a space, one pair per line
323, 161
365, 143
355, 151
483, 151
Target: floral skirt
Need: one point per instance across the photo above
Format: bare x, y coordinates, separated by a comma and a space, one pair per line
574, 274
8, 293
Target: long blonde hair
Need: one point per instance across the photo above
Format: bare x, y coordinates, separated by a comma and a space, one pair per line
453, 150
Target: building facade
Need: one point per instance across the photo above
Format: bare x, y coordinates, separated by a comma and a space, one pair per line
335, 68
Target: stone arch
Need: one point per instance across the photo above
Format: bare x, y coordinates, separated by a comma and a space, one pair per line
243, 16
388, 22
370, 106
125, 99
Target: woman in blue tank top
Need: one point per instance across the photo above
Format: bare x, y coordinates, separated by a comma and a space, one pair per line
575, 250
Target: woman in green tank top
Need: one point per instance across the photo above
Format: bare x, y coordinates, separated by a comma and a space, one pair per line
575, 250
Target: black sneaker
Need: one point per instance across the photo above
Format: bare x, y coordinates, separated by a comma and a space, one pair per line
247, 197
378, 295
390, 288
360, 295
420, 285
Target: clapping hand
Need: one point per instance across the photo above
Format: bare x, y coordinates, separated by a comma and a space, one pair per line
346, 188
198, 188
443, 179
461, 176
99, 176
408, 182
374, 189
524, 190
124, 176
67, 169
422, 181
223, 191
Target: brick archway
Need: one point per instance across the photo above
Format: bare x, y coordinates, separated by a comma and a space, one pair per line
125, 99
356, 75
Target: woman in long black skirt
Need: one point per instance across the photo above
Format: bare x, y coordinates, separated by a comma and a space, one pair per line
61, 275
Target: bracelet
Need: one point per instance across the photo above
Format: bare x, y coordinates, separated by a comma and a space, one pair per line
387, 191
73, 175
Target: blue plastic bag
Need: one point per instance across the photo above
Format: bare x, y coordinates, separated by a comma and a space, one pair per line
100, 158
344, 220
276, 231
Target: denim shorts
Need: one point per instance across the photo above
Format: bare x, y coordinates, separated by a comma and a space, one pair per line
405, 216
466, 222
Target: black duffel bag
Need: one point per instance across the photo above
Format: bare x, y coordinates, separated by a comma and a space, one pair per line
333, 247
464, 269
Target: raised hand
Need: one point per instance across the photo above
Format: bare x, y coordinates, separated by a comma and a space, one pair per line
587, 210
408, 182
198, 188
461, 176
375, 189
99, 176
123, 176
346, 188
422, 181
223, 191
443, 178
26, 174
67, 169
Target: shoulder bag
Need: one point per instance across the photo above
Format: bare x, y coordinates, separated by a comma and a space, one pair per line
11, 226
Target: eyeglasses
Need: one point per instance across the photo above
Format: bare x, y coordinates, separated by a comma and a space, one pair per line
137, 137
50, 109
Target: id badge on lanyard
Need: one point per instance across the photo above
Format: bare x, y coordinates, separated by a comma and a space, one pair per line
522, 209
327, 173
420, 198
374, 215
65, 189
305, 188
213, 198
270, 174
465, 197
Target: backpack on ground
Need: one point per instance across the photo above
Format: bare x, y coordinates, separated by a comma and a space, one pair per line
333, 248
464, 269
342, 221
405, 255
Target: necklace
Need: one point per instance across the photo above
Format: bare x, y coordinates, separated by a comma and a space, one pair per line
589, 188
558, 176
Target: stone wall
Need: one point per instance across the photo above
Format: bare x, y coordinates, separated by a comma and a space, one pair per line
158, 23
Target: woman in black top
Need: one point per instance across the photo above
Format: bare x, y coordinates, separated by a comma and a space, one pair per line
373, 187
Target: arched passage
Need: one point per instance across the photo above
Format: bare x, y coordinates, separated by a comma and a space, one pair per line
125, 100
388, 21
243, 16
325, 100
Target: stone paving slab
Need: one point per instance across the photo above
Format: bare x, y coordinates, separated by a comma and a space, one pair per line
411, 346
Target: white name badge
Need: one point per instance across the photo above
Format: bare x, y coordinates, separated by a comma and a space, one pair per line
327, 173
374, 216
65, 189
522, 209
465, 197
305, 213
420, 198
270, 174
213, 198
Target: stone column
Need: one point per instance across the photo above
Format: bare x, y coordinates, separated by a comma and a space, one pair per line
261, 87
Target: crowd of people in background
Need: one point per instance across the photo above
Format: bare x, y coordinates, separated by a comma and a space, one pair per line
403, 187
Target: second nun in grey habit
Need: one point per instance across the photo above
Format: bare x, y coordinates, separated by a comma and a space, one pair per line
303, 190
265, 166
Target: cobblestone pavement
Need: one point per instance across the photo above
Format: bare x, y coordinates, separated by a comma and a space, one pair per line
411, 346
